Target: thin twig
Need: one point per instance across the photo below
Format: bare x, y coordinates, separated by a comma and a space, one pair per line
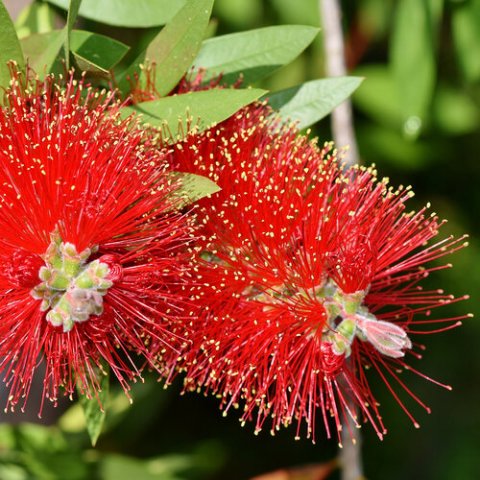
343, 135
342, 118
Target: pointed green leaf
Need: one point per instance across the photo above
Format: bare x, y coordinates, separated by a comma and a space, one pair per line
10, 48
38, 17
412, 57
254, 54
73, 8
193, 187
175, 47
42, 50
94, 52
127, 13
202, 109
94, 413
310, 102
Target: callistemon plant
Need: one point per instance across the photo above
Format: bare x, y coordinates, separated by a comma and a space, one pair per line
90, 244
309, 274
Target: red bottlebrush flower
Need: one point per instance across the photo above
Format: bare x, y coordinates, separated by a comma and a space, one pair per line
89, 241
307, 275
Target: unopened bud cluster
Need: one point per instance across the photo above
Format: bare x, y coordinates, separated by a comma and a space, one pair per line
71, 290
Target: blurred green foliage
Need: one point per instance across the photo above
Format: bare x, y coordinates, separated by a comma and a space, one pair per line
417, 116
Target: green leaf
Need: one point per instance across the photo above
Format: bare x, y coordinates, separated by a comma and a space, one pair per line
466, 35
73, 8
10, 48
94, 408
310, 102
120, 467
92, 51
413, 62
203, 109
175, 47
193, 187
455, 112
38, 17
254, 54
378, 97
42, 50
127, 13
96, 53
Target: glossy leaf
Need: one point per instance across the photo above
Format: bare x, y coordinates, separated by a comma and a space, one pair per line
94, 52
127, 13
10, 48
310, 102
466, 35
42, 50
97, 52
71, 18
175, 47
37, 17
254, 54
94, 408
194, 187
202, 109
413, 62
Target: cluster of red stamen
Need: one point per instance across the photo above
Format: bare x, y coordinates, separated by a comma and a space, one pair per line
288, 224
73, 171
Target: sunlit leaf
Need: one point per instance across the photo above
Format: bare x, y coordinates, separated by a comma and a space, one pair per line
202, 109
413, 62
42, 50
96, 52
310, 102
193, 187
71, 18
37, 17
175, 47
94, 408
127, 13
10, 48
254, 54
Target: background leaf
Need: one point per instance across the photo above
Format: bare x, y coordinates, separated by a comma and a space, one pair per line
92, 51
204, 108
412, 55
37, 17
175, 47
254, 54
194, 187
71, 18
466, 35
127, 13
42, 50
310, 102
94, 408
10, 48
97, 52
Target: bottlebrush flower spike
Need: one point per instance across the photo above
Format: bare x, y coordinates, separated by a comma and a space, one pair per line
89, 241
301, 267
